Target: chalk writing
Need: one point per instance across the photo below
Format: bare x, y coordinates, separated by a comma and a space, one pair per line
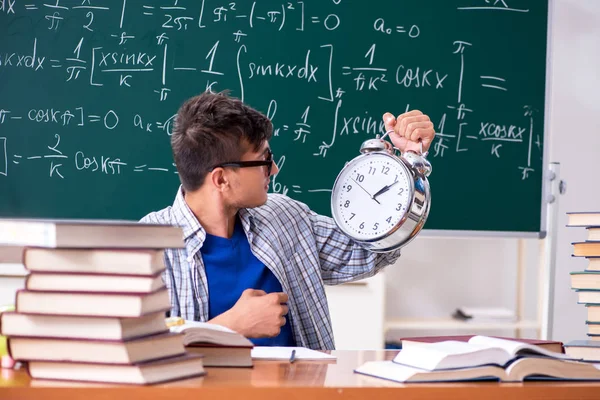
94, 85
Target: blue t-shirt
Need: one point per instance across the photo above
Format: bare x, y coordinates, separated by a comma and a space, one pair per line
231, 268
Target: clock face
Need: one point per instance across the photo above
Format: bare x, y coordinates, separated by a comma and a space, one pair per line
371, 196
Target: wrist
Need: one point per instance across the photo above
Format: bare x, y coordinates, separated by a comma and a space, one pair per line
224, 320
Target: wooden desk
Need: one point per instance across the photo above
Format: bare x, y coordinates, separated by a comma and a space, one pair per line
285, 381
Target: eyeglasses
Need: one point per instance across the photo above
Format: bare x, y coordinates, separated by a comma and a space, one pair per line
267, 162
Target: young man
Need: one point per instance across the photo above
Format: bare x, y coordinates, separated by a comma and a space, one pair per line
253, 262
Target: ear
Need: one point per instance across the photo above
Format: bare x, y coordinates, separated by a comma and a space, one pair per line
219, 179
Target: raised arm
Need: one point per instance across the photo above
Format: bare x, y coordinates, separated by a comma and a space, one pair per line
343, 260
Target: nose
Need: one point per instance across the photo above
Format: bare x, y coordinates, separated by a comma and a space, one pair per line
274, 169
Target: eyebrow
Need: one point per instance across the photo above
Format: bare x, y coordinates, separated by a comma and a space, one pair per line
267, 150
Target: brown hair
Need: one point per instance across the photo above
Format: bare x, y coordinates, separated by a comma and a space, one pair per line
211, 129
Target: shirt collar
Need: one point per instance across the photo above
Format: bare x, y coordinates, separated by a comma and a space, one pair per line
185, 218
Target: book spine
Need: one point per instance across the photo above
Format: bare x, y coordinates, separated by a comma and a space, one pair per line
23, 252
2, 323
17, 295
28, 233
8, 348
27, 278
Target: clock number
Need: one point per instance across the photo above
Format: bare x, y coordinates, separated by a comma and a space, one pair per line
401, 191
362, 225
347, 203
399, 207
376, 226
389, 220
385, 170
372, 170
348, 188
353, 215
360, 177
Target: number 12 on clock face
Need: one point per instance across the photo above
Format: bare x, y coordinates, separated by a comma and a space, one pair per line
372, 196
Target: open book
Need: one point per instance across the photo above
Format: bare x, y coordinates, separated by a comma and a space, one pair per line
528, 368
479, 350
480, 358
219, 345
197, 333
550, 345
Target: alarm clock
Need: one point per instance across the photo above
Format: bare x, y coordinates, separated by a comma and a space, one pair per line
380, 199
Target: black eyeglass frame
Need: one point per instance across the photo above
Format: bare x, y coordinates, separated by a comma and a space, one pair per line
249, 164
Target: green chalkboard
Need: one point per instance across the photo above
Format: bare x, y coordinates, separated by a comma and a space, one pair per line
89, 89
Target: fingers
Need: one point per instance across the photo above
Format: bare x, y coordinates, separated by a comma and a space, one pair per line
279, 297
275, 329
418, 130
284, 309
411, 113
389, 121
253, 293
404, 124
414, 126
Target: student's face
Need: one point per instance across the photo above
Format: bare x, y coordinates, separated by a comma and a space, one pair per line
251, 184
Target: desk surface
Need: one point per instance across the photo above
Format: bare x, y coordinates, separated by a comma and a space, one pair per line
285, 381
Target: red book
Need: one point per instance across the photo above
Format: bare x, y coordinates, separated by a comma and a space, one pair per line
550, 345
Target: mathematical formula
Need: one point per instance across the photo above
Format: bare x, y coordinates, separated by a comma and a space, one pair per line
153, 59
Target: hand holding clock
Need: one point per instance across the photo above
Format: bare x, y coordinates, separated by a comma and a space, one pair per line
409, 129
401, 213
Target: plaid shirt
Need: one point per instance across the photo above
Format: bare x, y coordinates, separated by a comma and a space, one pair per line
304, 251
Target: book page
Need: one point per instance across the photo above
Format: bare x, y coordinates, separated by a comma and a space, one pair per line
446, 347
450, 354
196, 332
198, 324
515, 348
402, 373
546, 368
284, 353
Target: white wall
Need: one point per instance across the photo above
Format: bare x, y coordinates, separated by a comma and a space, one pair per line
575, 133
436, 275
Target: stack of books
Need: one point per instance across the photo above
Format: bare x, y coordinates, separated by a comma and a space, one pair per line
587, 284
93, 307
479, 358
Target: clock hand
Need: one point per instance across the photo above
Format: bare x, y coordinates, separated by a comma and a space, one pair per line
384, 189
365, 191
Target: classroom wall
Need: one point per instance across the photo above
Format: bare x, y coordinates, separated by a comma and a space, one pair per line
575, 133
436, 275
